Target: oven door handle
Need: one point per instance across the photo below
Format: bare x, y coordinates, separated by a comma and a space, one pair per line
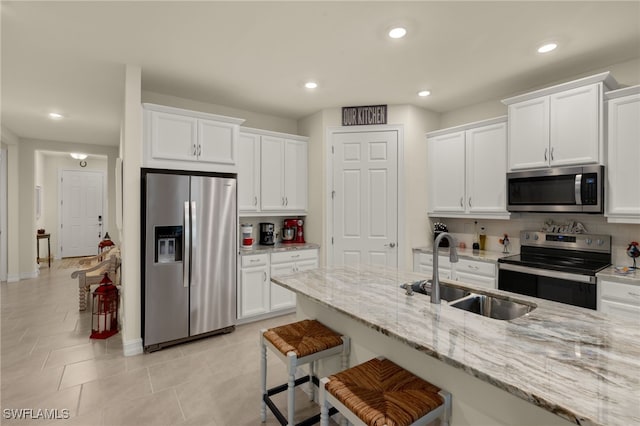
588, 279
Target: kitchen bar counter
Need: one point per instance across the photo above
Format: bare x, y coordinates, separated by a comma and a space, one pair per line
575, 363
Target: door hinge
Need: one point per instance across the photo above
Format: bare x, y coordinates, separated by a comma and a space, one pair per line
331, 240
333, 194
333, 151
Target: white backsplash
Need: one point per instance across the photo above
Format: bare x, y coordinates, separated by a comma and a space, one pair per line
621, 234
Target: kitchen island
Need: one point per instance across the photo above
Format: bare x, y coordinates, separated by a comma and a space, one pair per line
556, 365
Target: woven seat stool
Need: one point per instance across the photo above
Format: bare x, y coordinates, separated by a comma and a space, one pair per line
381, 393
296, 344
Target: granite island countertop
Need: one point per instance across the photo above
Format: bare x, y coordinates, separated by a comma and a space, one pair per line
577, 363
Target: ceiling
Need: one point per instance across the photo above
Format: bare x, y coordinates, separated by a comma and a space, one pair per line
69, 57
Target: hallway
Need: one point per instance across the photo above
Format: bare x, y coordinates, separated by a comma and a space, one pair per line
49, 362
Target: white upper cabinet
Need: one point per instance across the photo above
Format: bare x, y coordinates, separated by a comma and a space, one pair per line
447, 172
180, 139
623, 130
249, 172
467, 170
272, 177
558, 126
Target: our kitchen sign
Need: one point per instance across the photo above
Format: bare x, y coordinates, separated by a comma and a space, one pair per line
364, 115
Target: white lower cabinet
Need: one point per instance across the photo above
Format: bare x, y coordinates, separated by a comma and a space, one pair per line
619, 299
465, 270
258, 297
254, 286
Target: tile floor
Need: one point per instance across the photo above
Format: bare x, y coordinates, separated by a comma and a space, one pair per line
49, 362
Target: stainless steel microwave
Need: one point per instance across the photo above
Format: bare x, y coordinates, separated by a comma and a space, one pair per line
557, 189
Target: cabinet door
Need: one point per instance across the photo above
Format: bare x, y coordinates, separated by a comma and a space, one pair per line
173, 137
486, 154
217, 142
529, 134
249, 172
480, 280
281, 298
623, 196
446, 173
272, 173
575, 126
621, 310
295, 175
253, 292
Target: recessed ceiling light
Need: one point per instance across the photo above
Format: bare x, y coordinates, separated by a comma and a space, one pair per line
78, 156
546, 48
55, 115
397, 32
424, 93
311, 85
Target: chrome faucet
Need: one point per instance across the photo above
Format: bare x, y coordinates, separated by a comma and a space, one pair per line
453, 257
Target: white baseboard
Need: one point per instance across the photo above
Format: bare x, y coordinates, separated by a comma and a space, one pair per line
12, 278
29, 275
132, 347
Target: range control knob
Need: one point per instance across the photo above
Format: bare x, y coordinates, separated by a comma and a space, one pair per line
526, 236
535, 237
600, 242
588, 241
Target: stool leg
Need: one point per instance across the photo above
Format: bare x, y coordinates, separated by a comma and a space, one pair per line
263, 377
446, 417
324, 405
346, 350
291, 391
312, 388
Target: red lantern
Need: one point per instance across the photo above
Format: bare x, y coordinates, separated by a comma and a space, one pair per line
104, 321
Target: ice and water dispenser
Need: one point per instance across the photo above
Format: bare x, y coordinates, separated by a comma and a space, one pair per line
168, 244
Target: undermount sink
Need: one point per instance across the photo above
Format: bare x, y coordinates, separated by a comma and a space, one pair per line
447, 292
493, 307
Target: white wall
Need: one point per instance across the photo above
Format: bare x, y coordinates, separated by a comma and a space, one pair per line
625, 73
252, 119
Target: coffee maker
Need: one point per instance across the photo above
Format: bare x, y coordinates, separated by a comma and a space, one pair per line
292, 231
266, 234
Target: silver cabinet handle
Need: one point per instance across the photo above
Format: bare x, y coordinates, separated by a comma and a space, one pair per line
199, 150
255, 200
545, 154
254, 260
265, 276
473, 267
195, 149
286, 201
392, 245
469, 201
283, 201
461, 201
552, 148
295, 256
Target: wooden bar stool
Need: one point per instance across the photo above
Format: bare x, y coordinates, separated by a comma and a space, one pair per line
296, 344
380, 393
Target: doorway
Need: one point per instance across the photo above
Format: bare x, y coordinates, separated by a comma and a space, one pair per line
366, 200
81, 212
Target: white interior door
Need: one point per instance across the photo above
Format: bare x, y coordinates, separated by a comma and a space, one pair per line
365, 201
82, 206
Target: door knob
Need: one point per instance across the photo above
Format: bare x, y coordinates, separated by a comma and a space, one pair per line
392, 245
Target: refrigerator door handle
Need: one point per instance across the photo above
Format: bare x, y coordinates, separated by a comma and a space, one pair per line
194, 244
186, 258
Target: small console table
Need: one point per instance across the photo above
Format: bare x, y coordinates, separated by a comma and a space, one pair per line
38, 238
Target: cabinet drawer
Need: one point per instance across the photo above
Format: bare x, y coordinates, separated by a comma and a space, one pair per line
249, 260
473, 267
427, 259
629, 294
293, 256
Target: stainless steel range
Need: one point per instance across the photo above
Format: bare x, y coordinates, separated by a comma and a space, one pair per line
559, 267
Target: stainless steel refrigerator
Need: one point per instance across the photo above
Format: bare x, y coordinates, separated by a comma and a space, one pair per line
189, 251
